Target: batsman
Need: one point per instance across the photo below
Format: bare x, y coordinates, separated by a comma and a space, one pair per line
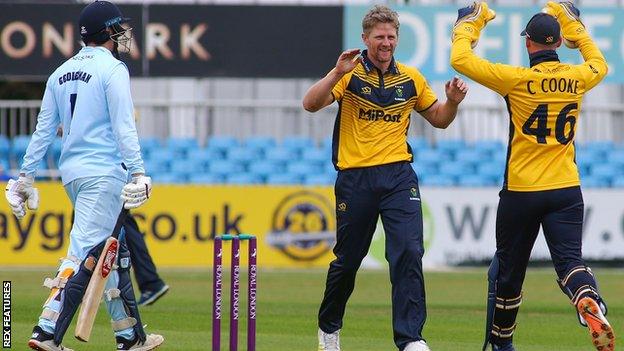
542, 186
102, 172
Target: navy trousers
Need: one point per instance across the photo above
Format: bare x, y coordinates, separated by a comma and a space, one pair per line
560, 212
362, 195
144, 269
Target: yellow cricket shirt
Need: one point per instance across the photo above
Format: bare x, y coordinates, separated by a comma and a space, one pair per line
374, 114
543, 102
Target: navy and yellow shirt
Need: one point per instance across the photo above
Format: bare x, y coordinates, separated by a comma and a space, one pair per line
543, 102
374, 114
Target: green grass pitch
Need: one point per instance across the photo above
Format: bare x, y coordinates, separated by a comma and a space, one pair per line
288, 303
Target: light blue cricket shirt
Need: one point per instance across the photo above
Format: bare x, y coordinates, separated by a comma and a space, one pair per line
89, 96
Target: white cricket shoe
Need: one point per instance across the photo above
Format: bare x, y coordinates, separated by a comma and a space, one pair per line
329, 342
419, 345
42, 341
152, 341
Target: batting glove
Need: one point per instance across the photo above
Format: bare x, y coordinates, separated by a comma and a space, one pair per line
21, 195
471, 20
135, 193
569, 19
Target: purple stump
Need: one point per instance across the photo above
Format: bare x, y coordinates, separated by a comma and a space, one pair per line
217, 283
235, 293
251, 309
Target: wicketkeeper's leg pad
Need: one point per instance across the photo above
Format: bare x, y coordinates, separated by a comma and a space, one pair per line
578, 283
74, 291
120, 300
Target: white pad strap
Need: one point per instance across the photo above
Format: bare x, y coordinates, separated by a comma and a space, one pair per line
123, 324
508, 304
503, 332
112, 294
49, 314
58, 282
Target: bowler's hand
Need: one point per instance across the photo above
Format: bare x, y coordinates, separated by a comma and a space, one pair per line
347, 61
456, 90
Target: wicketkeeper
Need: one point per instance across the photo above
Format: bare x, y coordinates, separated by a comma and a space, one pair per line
542, 186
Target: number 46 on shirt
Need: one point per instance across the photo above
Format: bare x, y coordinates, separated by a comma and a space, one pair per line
540, 117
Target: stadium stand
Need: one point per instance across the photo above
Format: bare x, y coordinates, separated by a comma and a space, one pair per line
300, 160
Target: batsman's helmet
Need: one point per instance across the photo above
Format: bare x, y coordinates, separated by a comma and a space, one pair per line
96, 17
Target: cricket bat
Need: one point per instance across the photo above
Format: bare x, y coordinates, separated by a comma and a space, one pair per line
95, 289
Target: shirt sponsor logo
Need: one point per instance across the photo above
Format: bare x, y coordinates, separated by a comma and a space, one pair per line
378, 115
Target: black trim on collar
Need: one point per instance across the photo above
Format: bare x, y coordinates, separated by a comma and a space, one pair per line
368, 65
543, 56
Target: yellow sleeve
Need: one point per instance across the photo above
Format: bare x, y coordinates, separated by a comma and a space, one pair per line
339, 89
595, 67
498, 77
425, 96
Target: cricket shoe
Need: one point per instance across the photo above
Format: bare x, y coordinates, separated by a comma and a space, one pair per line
600, 330
150, 296
329, 341
419, 345
42, 341
152, 341
508, 347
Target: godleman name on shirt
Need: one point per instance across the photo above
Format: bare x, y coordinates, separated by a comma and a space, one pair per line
78, 75
553, 85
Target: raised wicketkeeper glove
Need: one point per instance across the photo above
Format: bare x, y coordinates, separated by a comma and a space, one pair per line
471, 20
21, 194
569, 19
135, 193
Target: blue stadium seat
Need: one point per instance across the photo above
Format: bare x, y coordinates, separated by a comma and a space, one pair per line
320, 179
298, 143
431, 156
158, 166
605, 170
618, 182
326, 143
425, 169
491, 169
476, 180
280, 154
283, 179
149, 144
206, 178
329, 168
451, 145
303, 168
616, 157
225, 167
264, 168
242, 154
589, 155
180, 146
205, 155
222, 142
5, 146
162, 155
260, 143
169, 178
595, 182
472, 156
188, 166
19, 145
316, 155
456, 168
604, 146
490, 146
437, 180
418, 143
243, 178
